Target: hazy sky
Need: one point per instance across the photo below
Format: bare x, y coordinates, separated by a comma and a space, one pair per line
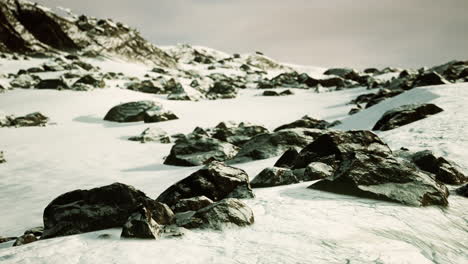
356, 33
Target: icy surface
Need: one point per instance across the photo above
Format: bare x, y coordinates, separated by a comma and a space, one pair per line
293, 224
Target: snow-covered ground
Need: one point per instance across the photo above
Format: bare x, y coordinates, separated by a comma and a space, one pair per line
292, 224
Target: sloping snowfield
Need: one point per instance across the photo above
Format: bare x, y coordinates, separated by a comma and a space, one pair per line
292, 224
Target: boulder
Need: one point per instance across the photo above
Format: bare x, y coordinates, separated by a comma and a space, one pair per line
331, 147
274, 176
152, 134
384, 178
316, 171
444, 170
404, 115
216, 181
57, 84
222, 90
274, 144
430, 78
91, 81
140, 224
25, 81
145, 86
288, 159
463, 191
237, 134
192, 204
131, 112
82, 211
270, 93
196, 150
305, 122
33, 119
155, 115
226, 213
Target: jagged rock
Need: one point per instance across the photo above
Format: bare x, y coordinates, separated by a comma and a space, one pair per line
131, 112
155, 115
237, 134
152, 134
216, 181
192, 204
33, 119
226, 213
194, 151
443, 169
404, 115
385, 178
332, 146
273, 144
2, 157
274, 176
58, 84
160, 212
25, 81
288, 159
222, 90
141, 225
430, 78
91, 80
463, 191
82, 211
305, 122
25, 239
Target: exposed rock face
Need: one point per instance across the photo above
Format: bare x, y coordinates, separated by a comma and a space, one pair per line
273, 144
192, 204
131, 112
216, 181
463, 191
152, 134
332, 146
141, 225
57, 84
194, 151
444, 170
305, 122
385, 178
82, 211
404, 115
27, 27
228, 212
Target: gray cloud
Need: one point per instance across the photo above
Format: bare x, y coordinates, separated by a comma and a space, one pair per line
325, 33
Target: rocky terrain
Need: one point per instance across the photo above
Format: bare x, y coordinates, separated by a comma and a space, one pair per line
245, 159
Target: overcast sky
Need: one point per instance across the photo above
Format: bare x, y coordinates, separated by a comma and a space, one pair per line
356, 33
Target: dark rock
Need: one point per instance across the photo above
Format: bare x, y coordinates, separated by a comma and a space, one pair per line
226, 213
25, 81
58, 84
2, 157
333, 82
286, 92
192, 204
82, 211
463, 191
146, 87
372, 71
237, 134
270, 93
159, 70
222, 90
152, 134
91, 80
354, 111
430, 78
274, 177
160, 212
385, 178
305, 122
216, 181
444, 170
131, 112
158, 115
194, 151
404, 115
25, 239
332, 146
288, 159
274, 144
37, 231
140, 224
33, 119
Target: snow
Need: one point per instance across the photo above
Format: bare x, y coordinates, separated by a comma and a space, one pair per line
293, 224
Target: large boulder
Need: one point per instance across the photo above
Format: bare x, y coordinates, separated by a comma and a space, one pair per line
131, 112
216, 181
222, 90
385, 178
430, 78
305, 122
288, 159
404, 115
140, 224
444, 170
226, 213
274, 144
152, 134
333, 145
82, 211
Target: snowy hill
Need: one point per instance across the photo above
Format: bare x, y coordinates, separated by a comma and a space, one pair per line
74, 148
